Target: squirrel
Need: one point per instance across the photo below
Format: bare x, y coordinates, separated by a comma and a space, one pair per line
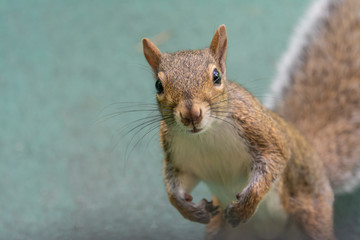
266, 166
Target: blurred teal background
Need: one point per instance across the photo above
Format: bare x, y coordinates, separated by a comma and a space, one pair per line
65, 173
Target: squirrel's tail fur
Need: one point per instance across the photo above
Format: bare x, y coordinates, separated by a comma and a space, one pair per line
317, 88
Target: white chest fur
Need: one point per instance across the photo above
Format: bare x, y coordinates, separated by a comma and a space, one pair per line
218, 157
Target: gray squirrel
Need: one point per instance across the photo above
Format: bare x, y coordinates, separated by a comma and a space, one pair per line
272, 165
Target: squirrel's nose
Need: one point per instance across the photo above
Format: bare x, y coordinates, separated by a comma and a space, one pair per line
193, 116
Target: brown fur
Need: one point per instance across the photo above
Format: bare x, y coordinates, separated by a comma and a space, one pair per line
281, 156
322, 100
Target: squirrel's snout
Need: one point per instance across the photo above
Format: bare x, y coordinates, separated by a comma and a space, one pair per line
192, 116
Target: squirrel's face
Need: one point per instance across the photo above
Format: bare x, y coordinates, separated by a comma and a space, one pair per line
191, 85
190, 90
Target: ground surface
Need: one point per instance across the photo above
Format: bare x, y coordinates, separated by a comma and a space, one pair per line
63, 176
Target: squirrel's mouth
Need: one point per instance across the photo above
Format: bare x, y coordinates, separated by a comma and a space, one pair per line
195, 130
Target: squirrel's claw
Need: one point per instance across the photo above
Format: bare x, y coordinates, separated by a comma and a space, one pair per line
230, 216
205, 210
213, 210
236, 213
201, 213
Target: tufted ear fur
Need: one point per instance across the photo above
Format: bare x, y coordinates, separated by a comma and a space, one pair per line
152, 54
218, 47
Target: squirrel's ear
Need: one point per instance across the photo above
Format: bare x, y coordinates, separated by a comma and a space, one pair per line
152, 54
218, 47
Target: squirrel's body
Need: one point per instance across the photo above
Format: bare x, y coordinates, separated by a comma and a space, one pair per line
215, 131
202, 159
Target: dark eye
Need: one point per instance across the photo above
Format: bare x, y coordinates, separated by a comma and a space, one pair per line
216, 77
159, 86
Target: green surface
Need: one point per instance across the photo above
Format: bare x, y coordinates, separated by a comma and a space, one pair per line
62, 62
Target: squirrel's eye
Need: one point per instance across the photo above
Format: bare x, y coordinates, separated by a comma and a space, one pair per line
159, 87
216, 77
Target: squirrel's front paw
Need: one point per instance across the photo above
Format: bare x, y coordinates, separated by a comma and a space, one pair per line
201, 213
204, 211
237, 212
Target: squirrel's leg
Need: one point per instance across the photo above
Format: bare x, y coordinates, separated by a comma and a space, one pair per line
179, 185
315, 216
264, 173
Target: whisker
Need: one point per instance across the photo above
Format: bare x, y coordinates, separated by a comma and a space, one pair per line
222, 101
116, 114
135, 131
148, 120
222, 94
127, 152
143, 125
223, 120
128, 104
224, 111
138, 120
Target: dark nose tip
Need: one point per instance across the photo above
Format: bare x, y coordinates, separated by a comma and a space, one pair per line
193, 116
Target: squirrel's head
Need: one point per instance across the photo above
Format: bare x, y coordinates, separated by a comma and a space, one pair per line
190, 85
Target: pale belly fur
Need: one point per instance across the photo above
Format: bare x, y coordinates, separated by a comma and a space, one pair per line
221, 159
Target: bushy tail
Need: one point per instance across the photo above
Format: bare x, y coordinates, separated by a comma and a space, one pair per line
319, 87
